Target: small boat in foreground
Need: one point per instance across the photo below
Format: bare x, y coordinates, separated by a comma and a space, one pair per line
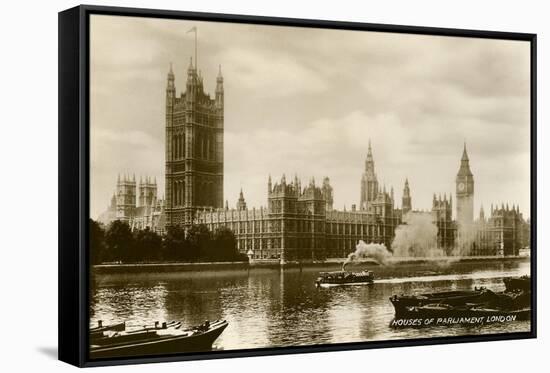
100, 328
168, 338
342, 278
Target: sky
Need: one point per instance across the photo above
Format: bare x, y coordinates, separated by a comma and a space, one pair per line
307, 101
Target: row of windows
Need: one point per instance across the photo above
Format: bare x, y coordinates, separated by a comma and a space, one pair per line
309, 226
205, 194
301, 207
205, 146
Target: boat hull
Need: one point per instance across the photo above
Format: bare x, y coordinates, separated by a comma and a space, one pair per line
342, 278
518, 283
163, 345
402, 303
450, 315
330, 285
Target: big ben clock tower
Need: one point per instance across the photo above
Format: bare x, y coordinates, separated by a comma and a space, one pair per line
465, 191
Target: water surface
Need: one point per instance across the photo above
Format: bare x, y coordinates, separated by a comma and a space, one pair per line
274, 308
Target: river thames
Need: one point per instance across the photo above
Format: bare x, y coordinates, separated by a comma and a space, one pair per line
275, 308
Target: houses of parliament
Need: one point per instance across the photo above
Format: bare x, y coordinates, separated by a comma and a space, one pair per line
299, 221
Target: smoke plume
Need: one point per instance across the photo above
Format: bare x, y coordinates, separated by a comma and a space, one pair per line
375, 251
416, 238
466, 239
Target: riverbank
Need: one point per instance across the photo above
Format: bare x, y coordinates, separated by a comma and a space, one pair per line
276, 265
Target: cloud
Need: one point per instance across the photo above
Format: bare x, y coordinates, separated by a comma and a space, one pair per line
308, 100
270, 74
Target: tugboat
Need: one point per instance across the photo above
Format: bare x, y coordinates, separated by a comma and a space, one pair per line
165, 338
343, 278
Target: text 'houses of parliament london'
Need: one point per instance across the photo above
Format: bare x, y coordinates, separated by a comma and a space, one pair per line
299, 221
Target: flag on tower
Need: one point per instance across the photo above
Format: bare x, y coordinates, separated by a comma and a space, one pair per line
194, 29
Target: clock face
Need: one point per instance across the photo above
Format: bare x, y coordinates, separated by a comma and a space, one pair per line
461, 186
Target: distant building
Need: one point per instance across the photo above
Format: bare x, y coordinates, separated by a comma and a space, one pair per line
136, 204
299, 223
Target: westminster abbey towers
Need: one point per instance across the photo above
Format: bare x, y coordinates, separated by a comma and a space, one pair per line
194, 148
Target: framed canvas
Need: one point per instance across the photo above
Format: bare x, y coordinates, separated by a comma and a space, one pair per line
234, 186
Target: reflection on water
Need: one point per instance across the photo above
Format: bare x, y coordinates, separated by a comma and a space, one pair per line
271, 308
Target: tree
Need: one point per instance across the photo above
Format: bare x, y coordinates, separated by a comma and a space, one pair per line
97, 242
119, 241
200, 242
175, 244
225, 245
147, 246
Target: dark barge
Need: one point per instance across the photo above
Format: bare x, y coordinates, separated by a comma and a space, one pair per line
514, 302
161, 339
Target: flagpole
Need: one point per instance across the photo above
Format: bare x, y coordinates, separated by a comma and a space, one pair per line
196, 59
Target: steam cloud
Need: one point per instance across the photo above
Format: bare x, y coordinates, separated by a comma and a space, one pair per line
416, 238
375, 251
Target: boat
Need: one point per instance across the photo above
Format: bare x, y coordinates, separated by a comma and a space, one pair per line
464, 314
100, 328
514, 302
342, 278
402, 302
165, 338
522, 283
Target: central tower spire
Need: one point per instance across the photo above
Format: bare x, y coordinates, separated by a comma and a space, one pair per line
369, 182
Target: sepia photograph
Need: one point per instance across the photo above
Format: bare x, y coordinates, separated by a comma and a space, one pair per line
260, 186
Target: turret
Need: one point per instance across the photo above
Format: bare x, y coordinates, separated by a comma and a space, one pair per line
191, 83
219, 89
481, 214
170, 91
406, 200
369, 182
241, 203
327, 194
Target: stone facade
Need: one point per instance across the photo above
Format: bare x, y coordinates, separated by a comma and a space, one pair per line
300, 223
194, 148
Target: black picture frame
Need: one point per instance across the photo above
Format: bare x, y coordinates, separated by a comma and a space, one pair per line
74, 175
